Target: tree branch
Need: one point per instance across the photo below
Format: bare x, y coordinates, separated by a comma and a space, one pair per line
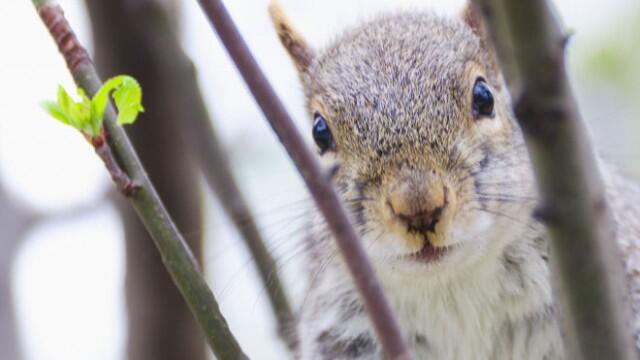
219, 176
125, 37
380, 313
201, 134
15, 220
175, 254
530, 45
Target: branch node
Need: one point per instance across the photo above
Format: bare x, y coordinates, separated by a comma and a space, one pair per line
68, 45
122, 180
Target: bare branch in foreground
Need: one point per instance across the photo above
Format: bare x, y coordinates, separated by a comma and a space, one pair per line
378, 308
531, 44
175, 254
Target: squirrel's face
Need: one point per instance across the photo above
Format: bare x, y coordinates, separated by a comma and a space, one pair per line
414, 113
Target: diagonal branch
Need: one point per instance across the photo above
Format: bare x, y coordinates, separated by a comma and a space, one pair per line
379, 310
175, 254
530, 44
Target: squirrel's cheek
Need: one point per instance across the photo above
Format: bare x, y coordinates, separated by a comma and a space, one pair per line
470, 228
330, 164
491, 127
496, 133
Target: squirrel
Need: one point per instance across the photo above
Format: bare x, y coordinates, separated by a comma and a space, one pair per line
432, 167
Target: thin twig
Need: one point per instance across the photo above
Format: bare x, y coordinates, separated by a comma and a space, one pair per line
175, 254
219, 176
154, 304
156, 38
531, 44
201, 134
179, 71
379, 310
15, 220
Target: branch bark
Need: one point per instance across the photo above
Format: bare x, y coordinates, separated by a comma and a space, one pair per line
530, 45
319, 184
176, 256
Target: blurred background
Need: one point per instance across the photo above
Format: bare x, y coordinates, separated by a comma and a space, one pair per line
72, 287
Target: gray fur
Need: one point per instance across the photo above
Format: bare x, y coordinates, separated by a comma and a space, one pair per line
396, 92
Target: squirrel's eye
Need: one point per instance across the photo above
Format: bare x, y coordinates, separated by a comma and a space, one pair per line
322, 134
482, 99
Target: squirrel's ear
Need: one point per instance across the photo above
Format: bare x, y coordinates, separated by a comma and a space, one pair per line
471, 17
301, 54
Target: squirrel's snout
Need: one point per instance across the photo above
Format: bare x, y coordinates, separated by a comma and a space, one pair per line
424, 221
419, 201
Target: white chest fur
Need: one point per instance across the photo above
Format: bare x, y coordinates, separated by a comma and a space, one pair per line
496, 310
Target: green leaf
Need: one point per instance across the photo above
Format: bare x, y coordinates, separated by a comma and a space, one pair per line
87, 115
99, 105
56, 111
66, 104
83, 109
127, 95
128, 98
71, 112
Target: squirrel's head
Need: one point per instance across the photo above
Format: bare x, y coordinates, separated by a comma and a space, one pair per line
415, 112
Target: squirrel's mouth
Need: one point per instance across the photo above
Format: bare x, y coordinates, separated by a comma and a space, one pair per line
429, 253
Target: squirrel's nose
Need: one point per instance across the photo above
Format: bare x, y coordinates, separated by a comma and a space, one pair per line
423, 221
418, 200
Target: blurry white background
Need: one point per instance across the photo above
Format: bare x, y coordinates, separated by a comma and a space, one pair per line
69, 273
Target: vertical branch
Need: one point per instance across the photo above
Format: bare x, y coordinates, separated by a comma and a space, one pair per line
175, 254
378, 308
209, 152
586, 261
159, 322
15, 219
146, 45
220, 178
